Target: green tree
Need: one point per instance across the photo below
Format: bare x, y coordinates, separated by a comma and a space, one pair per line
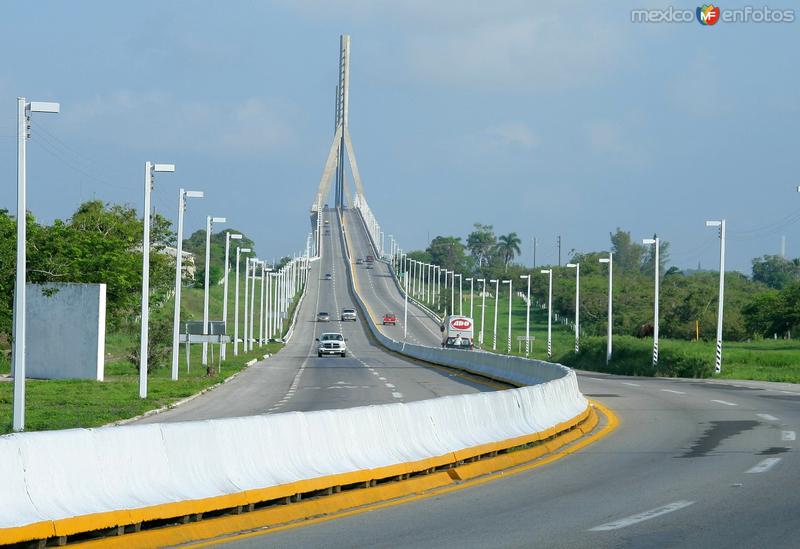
627, 253
481, 243
508, 247
776, 271
449, 253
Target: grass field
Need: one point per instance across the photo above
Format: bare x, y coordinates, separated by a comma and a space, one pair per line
764, 360
62, 404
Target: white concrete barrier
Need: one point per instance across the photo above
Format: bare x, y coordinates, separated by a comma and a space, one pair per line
63, 482
54, 475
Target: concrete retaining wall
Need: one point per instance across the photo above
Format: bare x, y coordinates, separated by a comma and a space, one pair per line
66, 331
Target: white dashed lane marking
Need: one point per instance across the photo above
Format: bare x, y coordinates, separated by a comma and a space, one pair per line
641, 517
763, 466
630, 384
767, 417
725, 402
674, 392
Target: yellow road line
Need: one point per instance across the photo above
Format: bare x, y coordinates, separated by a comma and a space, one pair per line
612, 422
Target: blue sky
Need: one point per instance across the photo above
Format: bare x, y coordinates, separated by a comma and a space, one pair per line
532, 117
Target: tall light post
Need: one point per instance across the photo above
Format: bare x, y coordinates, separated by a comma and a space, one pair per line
721, 225
24, 108
549, 272
228, 237
655, 242
210, 220
510, 297
149, 170
471, 297
527, 316
176, 320
577, 267
251, 331
610, 261
239, 251
261, 300
483, 309
496, 283
460, 296
405, 308
453, 292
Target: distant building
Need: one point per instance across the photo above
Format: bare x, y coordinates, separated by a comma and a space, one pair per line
188, 267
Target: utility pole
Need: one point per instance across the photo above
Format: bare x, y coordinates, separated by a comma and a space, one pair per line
534, 251
558, 240
721, 225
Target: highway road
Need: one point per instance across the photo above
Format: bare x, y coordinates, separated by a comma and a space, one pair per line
295, 379
693, 464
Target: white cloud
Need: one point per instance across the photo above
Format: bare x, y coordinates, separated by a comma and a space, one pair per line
154, 119
516, 134
517, 55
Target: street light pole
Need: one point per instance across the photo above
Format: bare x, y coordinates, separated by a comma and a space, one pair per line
228, 237
549, 313
176, 320
405, 308
239, 251
483, 309
246, 324
206, 329
527, 316
24, 108
471, 297
496, 303
251, 331
577, 267
460, 297
149, 169
610, 261
510, 297
721, 225
655, 242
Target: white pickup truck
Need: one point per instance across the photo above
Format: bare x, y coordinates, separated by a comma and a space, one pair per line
332, 344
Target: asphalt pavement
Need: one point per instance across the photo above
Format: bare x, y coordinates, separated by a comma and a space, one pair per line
693, 463
295, 379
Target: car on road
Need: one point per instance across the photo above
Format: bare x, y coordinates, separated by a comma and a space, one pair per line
327, 222
359, 261
328, 276
332, 344
323, 316
390, 318
349, 314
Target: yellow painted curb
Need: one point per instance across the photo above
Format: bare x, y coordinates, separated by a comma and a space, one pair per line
384, 495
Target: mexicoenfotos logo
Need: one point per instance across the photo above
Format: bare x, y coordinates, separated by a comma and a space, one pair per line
708, 14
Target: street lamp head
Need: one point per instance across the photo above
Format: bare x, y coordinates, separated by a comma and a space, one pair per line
648, 241
506, 282
546, 271
245, 250
470, 279
493, 281
604, 260
713, 223
193, 194
481, 280
572, 265
164, 167
218, 220
44, 106
235, 236
524, 276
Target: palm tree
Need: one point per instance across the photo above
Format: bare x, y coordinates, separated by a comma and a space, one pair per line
508, 247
